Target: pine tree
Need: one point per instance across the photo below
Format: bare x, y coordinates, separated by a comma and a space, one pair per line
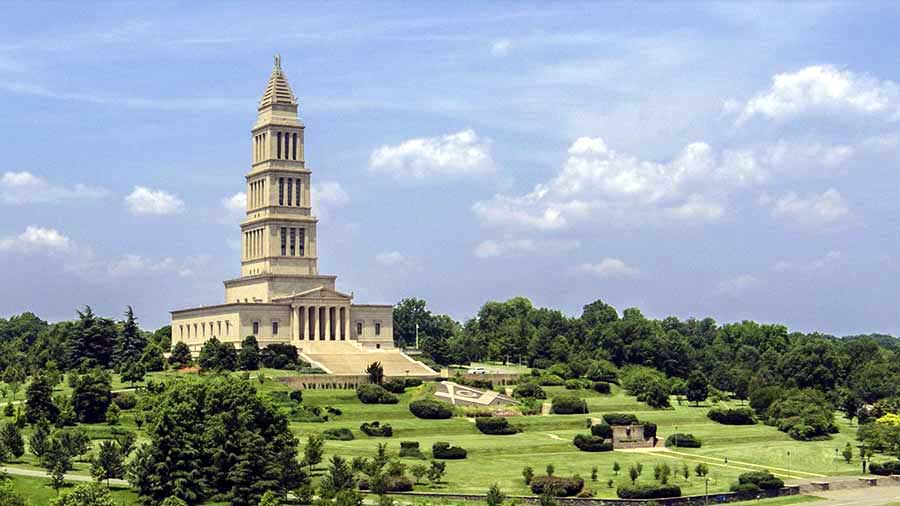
39, 401
181, 356
109, 462
130, 343
11, 438
39, 441
248, 358
92, 340
92, 396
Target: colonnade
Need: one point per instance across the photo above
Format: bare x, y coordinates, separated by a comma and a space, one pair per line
321, 323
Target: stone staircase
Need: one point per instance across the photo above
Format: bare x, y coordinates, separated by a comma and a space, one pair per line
347, 358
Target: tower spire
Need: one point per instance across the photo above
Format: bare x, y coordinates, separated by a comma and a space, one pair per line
278, 91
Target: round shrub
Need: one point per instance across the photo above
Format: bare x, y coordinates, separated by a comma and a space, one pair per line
620, 418
643, 491
577, 384
683, 441
762, 479
495, 425
732, 416
444, 451
392, 484
550, 380
412, 382
563, 487
297, 396
568, 405
125, 400
374, 394
342, 434
602, 430
529, 390
375, 429
601, 387
411, 449
885, 468
745, 489
395, 386
431, 409
587, 443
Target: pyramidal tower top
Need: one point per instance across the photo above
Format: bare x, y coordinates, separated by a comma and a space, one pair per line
278, 91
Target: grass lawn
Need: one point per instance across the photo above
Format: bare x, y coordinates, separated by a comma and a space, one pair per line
38, 491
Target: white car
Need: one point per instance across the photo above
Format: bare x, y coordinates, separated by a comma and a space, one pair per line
478, 370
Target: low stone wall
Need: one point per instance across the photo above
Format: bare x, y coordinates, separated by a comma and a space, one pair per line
332, 381
498, 379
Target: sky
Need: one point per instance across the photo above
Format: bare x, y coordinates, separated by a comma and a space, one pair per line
736, 160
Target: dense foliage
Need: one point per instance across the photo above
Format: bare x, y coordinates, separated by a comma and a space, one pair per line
568, 405
443, 450
749, 483
592, 443
376, 429
679, 440
557, 485
495, 425
732, 416
431, 409
648, 491
375, 394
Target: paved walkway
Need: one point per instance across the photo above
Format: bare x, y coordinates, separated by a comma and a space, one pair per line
872, 496
34, 473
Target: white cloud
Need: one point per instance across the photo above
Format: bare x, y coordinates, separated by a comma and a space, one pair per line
811, 265
145, 201
826, 208
461, 153
135, 264
36, 238
329, 194
823, 88
501, 47
508, 247
236, 203
18, 188
610, 268
398, 260
698, 209
738, 285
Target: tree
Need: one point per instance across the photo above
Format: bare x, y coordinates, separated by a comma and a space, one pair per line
847, 453
133, 372
153, 360
376, 373
14, 376
338, 478
528, 474
181, 356
633, 474
216, 356
92, 340
550, 469
130, 343
92, 396
85, 494
697, 387
109, 462
174, 501
39, 441
112, 414
39, 401
58, 463
616, 468
248, 358
495, 496
436, 472
270, 499
418, 471
8, 495
11, 439
313, 451
701, 470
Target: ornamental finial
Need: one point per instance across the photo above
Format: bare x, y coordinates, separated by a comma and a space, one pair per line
277, 61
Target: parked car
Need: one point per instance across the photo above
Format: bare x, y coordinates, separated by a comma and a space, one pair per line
478, 370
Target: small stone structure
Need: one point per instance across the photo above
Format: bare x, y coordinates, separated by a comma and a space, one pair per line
627, 437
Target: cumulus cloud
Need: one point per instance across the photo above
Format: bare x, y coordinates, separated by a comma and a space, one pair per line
822, 88
329, 194
461, 153
398, 260
509, 247
814, 264
145, 201
18, 188
501, 47
738, 285
130, 265
610, 268
36, 238
236, 203
826, 208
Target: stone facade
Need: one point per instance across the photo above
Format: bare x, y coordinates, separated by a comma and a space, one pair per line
280, 297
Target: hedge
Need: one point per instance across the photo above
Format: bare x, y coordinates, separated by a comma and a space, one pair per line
649, 430
563, 487
412, 382
577, 384
745, 489
375, 429
648, 491
732, 416
601, 387
374, 394
431, 409
395, 385
342, 434
442, 450
568, 405
411, 449
530, 390
602, 430
620, 419
762, 479
495, 425
588, 443
394, 484
683, 441
885, 468
550, 380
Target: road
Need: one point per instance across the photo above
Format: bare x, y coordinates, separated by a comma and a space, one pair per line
43, 474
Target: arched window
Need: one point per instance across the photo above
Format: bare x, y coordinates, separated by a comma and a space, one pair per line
278, 145
294, 148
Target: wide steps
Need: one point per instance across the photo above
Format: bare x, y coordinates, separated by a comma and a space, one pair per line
395, 363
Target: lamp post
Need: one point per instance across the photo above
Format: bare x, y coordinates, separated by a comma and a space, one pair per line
835, 460
706, 490
417, 335
676, 438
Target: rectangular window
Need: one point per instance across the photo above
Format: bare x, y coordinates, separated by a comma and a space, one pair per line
293, 241
297, 186
255, 328
278, 144
290, 190
274, 328
301, 240
358, 328
283, 239
377, 328
281, 191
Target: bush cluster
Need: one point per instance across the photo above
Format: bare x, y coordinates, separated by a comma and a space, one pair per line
601, 387
752, 482
732, 416
620, 419
550, 380
602, 430
392, 484
444, 451
568, 405
645, 491
590, 443
649, 430
342, 434
411, 449
125, 400
431, 409
885, 468
529, 390
683, 441
562, 487
375, 429
578, 384
803, 415
395, 385
374, 394
496, 425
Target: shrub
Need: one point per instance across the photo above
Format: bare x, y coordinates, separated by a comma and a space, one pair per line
529, 390
620, 419
412, 382
550, 380
885, 468
342, 434
561, 487
745, 489
561, 370
279, 356
568, 405
602, 430
411, 449
764, 480
396, 386
577, 384
374, 394
441, 450
648, 491
375, 429
803, 415
431, 409
496, 425
125, 400
588, 443
649, 430
732, 416
683, 441
601, 387
392, 484
296, 396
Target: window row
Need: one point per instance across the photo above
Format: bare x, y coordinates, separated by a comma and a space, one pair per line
359, 328
259, 147
294, 191
289, 144
257, 195
254, 243
256, 328
294, 239
204, 329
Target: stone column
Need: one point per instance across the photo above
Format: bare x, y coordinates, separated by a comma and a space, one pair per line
322, 315
327, 323
347, 323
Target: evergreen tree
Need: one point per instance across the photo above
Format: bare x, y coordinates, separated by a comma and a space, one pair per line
85, 494
153, 360
133, 372
92, 340
216, 356
313, 451
181, 356
495, 496
39, 401
130, 343
254, 474
338, 478
91, 396
248, 358
11, 439
697, 387
109, 462
39, 441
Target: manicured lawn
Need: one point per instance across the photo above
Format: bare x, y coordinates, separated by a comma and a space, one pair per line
38, 491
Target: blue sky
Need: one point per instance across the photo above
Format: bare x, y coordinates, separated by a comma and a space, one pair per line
734, 160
